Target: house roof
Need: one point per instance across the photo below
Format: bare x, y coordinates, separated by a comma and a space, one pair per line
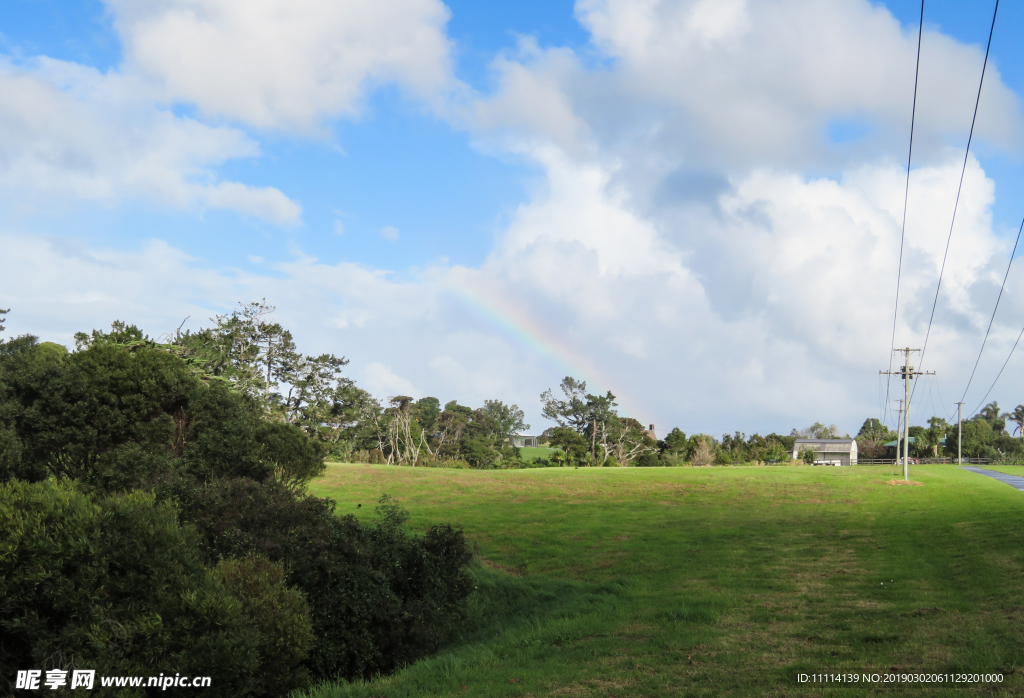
826, 445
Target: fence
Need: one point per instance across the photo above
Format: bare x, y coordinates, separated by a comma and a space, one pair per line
922, 461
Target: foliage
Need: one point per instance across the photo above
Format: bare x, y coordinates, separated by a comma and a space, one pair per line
1017, 418
819, 431
702, 449
280, 616
116, 585
116, 416
379, 598
674, 443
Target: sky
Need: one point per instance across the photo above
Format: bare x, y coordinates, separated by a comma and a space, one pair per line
694, 204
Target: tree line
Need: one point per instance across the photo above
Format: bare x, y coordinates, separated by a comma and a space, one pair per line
154, 516
988, 434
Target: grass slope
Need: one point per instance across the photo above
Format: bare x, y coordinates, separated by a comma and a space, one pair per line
530, 453
713, 581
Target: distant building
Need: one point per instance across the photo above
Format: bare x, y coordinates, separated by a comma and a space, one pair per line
828, 451
893, 446
522, 440
650, 433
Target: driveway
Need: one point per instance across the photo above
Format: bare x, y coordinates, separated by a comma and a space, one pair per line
1015, 481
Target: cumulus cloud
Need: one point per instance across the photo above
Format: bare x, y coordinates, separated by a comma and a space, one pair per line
677, 234
675, 249
69, 130
410, 338
728, 85
389, 233
381, 380
286, 64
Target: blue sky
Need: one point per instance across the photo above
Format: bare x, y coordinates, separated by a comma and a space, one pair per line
518, 154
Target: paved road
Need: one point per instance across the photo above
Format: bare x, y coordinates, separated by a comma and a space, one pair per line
1014, 481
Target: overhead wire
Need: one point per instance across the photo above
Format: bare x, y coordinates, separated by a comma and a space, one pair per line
976, 409
993, 318
906, 195
959, 189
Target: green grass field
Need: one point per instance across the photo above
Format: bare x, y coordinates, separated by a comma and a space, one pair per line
714, 581
529, 453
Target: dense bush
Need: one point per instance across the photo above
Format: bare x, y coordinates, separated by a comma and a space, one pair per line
212, 573
281, 617
379, 597
116, 585
115, 417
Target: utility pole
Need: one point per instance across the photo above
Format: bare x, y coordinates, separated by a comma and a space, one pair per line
959, 433
899, 431
908, 373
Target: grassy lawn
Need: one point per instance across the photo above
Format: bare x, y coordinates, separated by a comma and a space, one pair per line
714, 581
529, 453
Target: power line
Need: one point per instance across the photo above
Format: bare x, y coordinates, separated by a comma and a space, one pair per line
906, 194
963, 170
998, 374
992, 319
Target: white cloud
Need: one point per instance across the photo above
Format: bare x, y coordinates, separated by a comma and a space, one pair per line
67, 130
389, 233
731, 85
339, 227
675, 250
286, 63
676, 239
381, 380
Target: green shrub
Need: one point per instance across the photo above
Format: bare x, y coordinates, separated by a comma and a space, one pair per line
114, 585
115, 418
649, 460
378, 597
281, 617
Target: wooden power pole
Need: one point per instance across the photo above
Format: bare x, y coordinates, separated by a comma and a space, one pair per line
908, 373
959, 434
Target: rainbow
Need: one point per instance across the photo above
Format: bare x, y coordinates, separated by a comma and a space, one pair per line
520, 327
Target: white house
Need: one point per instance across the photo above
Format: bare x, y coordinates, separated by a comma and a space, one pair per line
828, 451
521, 440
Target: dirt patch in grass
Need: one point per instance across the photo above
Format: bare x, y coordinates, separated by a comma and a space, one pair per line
904, 482
591, 687
519, 571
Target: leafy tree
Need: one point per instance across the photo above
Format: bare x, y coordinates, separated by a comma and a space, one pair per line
674, 443
594, 417
819, 431
427, 410
733, 449
990, 413
116, 417
379, 598
701, 450
573, 412
280, 616
572, 443
874, 430
261, 353
117, 585
3, 317
506, 419
772, 448
977, 437
1016, 417
922, 444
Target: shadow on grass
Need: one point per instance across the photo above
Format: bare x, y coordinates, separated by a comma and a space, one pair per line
508, 619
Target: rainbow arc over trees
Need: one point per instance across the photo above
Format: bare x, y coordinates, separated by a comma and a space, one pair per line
512, 321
